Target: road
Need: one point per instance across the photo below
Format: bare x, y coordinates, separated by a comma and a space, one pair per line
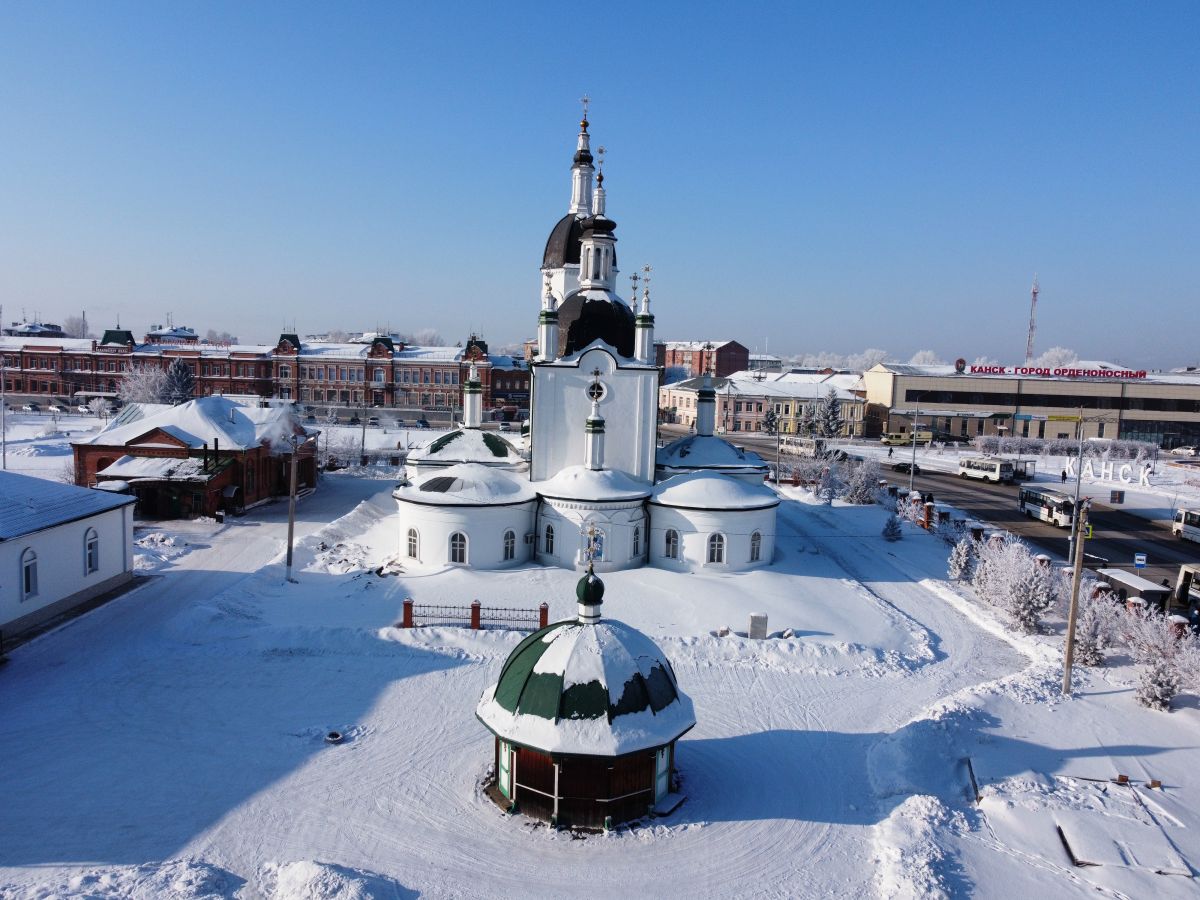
1117, 535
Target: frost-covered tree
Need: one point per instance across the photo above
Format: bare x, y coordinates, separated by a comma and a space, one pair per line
1154, 644
76, 327
805, 421
962, 559
1031, 597
142, 384
926, 358
892, 530
1007, 576
219, 337
180, 383
98, 407
831, 482
862, 483
828, 415
770, 421
1056, 357
1095, 623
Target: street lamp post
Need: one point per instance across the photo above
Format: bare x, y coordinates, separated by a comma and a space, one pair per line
912, 469
291, 511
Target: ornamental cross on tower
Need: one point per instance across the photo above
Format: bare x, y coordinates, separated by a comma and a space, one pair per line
595, 390
585, 100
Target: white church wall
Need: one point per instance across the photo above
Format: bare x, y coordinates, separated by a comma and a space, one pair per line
616, 521
695, 527
560, 406
484, 527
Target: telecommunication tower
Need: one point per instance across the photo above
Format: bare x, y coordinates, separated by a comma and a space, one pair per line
1032, 321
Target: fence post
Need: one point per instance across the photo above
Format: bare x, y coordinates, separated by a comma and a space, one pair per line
406, 622
475, 605
543, 615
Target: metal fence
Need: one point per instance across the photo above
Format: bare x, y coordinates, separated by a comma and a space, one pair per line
476, 616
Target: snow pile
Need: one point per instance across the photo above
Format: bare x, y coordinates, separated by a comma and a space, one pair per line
912, 862
157, 549
178, 879
307, 880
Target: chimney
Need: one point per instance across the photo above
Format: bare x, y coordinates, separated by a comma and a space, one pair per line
206, 456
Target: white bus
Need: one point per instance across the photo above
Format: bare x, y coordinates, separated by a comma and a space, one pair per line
1187, 524
1049, 506
906, 437
988, 468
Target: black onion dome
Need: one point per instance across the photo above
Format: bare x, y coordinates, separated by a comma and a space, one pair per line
562, 247
583, 157
590, 589
583, 319
598, 225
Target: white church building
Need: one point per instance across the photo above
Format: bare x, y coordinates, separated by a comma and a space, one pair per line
594, 488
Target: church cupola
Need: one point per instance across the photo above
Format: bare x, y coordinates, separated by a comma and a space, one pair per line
473, 400
594, 441
597, 252
590, 594
582, 171
706, 408
548, 325
643, 323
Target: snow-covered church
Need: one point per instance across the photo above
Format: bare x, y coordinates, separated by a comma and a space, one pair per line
591, 485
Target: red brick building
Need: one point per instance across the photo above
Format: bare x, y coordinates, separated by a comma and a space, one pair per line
688, 359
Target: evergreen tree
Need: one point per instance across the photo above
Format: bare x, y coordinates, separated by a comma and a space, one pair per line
770, 421
892, 530
828, 415
805, 423
863, 483
962, 559
180, 383
1095, 625
1155, 646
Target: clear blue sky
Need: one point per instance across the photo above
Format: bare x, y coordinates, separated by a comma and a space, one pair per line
826, 177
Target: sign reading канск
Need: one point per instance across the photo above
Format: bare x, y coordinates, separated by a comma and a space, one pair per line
1062, 372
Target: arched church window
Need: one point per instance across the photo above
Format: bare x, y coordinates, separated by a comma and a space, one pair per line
29, 579
414, 544
755, 547
458, 548
510, 544
550, 539
671, 549
637, 540
716, 548
91, 552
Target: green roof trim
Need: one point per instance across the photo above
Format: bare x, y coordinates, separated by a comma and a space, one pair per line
444, 440
519, 666
584, 701
498, 445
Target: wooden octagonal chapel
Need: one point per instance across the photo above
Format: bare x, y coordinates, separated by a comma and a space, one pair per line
585, 715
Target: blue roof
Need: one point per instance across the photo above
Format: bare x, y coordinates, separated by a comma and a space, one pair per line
34, 504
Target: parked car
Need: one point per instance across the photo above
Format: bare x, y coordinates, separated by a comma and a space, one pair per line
400, 423
906, 466
31, 407
355, 420
506, 426
422, 423
56, 408
373, 420
1183, 451
83, 408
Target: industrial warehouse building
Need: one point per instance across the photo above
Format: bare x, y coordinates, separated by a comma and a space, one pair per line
968, 400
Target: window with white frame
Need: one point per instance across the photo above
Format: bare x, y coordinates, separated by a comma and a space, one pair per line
637, 541
510, 544
755, 547
29, 574
716, 548
91, 552
549, 539
671, 548
414, 543
458, 548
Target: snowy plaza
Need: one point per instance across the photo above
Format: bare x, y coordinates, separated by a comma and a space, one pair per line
171, 743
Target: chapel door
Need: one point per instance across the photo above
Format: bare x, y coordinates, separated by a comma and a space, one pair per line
662, 773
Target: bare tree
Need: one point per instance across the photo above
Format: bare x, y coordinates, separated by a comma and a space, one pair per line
142, 384
1056, 357
926, 358
99, 407
76, 327
220, 337
424, 337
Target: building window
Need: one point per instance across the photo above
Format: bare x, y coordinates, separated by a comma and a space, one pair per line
637, 541
91, 552
284, 372
379, 376
510, 545
716, 548
458, 548
755, 547
671, 550
550, 539
414, 543
29, 584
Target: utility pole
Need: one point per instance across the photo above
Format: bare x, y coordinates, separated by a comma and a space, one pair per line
1078, 480
291, 512
912, 471
1073, 613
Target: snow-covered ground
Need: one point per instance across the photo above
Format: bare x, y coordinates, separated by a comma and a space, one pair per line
171, 742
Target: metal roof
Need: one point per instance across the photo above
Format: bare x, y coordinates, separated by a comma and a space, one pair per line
29, 504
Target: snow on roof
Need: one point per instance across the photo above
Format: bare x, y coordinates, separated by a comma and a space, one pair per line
601, 689
582, 483
712, 490
744, 384
467, 484
943, 371
696, 345
74, 345
466, 445
698, 451
201, 421
431, 354
34, 504
156, 468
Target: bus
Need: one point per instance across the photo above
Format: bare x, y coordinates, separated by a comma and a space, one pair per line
906, 437
1049, 506
1187, 524
988, 468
